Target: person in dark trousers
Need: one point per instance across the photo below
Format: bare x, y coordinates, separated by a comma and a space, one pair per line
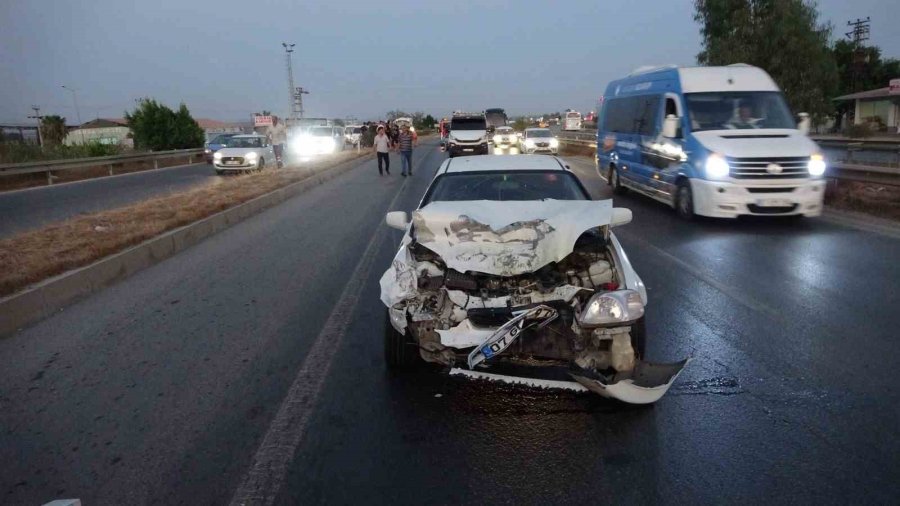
382, 147
405, 143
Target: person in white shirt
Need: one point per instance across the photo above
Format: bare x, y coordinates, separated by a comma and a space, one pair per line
382, 146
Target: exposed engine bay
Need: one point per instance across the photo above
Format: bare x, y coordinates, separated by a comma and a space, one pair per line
578, 311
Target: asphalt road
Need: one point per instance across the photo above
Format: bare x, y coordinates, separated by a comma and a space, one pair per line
162, 389
23, 210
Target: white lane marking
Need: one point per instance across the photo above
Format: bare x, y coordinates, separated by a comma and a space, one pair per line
531, 382
263, 481
735, 294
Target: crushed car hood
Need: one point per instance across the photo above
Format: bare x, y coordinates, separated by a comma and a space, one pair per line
506, 238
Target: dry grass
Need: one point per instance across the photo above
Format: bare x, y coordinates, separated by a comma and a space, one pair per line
876, 199
577, 150
8, 183
36, 255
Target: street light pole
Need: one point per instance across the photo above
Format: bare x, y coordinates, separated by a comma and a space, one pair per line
77, 112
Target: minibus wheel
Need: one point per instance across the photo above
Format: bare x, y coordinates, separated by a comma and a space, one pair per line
684, 201
614, 181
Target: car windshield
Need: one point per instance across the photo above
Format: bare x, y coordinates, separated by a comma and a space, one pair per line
538, 133
738, 110
504, 130
320, 131
468, 124
245, 142
530, 185
221, 139
356, 130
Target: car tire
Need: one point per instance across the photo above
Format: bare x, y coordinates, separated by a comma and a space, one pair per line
684, 201
639, 338
262, 164
399, 351
220, 172
616, 182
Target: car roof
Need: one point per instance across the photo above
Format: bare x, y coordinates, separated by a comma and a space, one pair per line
249, 135
501, 162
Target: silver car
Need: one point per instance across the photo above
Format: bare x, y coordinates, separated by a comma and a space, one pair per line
245, 152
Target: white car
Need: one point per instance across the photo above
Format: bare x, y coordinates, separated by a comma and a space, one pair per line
507, 262
504, 137
244, 152
318, 140
538, 140
352, 134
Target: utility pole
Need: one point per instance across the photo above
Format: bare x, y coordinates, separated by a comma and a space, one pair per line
858, 33
298, 99
39, 118
77, 112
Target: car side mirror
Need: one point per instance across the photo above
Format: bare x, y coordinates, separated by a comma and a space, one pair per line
396, 219
804, 123
620, 216
670, 126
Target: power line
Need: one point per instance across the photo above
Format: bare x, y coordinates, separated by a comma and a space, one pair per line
860, 31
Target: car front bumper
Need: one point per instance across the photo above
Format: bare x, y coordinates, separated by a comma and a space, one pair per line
468, 149
242, 167
725, 199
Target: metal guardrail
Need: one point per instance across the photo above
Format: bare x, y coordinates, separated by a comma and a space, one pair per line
50, 166
846, 171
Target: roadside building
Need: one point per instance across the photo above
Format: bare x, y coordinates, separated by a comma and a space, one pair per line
212, 128
113, 131
879, 108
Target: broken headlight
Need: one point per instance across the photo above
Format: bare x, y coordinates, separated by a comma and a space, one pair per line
620, 306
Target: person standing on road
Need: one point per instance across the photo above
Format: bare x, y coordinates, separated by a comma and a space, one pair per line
382, 147
405, 143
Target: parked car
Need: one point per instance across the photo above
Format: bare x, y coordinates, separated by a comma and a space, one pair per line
538, 140
508, 262
710, 141
244, 152
219, 142
352, 134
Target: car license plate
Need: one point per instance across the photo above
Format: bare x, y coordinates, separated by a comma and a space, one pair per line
468, 149
231, 162
773, 203
538, 316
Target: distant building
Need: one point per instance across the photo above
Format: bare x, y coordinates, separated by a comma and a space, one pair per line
212, 127
102, 130
879, 108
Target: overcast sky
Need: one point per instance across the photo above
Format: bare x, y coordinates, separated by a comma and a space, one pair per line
224, 59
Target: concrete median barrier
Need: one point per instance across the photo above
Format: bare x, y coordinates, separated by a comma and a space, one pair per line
52, 295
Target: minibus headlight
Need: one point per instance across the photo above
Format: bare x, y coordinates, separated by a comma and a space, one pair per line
816, 165
529, 143
554, 143
716, 166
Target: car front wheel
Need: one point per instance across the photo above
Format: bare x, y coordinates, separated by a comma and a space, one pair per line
399, 351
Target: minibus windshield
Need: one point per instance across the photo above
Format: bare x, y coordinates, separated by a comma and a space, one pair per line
738, 110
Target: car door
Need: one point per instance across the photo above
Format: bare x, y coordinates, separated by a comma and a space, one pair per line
670, 155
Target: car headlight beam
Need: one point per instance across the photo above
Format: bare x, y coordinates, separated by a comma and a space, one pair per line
816, 165
529, 143
251, 156
217, 155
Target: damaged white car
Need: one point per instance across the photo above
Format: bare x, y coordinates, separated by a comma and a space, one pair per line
509, 266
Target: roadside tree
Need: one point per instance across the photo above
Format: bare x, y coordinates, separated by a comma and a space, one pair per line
783, 37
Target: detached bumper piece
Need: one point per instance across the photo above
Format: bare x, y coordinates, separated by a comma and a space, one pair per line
645, 384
